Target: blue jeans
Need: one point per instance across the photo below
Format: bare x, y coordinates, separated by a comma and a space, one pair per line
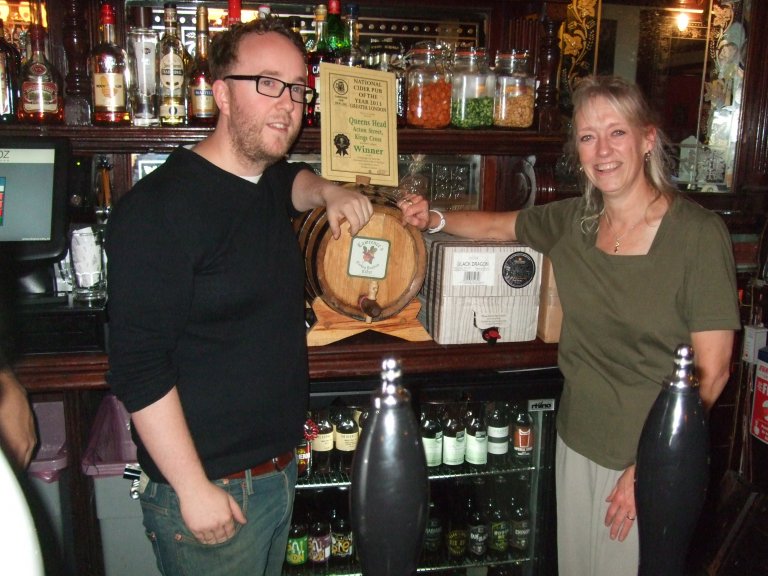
256, 549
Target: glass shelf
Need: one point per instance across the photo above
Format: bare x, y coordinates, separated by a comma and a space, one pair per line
341, 479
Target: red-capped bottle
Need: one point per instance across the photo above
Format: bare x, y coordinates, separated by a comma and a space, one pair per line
108, 65
42, 94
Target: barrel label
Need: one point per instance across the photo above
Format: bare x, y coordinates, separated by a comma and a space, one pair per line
368, 258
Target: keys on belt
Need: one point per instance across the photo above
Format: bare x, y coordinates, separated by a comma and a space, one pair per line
276, 464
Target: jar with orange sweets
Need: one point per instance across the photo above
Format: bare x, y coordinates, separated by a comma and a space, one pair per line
429, 87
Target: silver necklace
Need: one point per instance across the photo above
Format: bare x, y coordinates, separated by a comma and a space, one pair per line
617, 240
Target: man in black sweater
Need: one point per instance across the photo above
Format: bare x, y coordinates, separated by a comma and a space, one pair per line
207, 335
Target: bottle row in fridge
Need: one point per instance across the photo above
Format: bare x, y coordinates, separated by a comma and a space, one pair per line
460, 438
480, 524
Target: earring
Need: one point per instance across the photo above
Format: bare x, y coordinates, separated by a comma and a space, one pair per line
647, 157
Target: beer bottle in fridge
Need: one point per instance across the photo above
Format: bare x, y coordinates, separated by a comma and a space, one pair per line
297, 549
523, 436
322, 445
345, 440
498, 521
477, 528
342, 548
431, 435
433, 533
476, 448
457, 531
498, 435
454, 438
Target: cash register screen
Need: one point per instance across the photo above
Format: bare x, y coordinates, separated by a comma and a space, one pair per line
33, 197
33, 210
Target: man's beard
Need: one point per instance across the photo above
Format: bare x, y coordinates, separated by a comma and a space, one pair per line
247, 143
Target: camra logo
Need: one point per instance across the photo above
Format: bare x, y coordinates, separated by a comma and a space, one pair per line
340, 87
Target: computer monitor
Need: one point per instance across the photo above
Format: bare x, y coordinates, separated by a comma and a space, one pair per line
33, 207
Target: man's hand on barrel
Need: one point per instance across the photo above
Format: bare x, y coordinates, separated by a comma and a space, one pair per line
415, 210
346, 204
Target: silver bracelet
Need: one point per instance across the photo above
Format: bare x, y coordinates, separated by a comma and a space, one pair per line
440, 226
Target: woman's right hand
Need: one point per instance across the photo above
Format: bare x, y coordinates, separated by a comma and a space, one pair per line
415, 210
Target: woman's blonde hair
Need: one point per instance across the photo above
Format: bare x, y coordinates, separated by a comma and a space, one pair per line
630, 103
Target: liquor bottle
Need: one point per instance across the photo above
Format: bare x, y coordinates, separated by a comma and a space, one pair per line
477, 528
142, 61
322, 445
337, 40
202, 106
297, 549
476, 448
498, 435
109, 68
433, 533
672, 470
10, 67
41, 100
342, 539
522, 435
320, 53
345, 440
351, 54
454, 438
172, 59
303, 450
431, 435
233, 12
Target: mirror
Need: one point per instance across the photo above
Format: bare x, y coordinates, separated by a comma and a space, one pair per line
691, 72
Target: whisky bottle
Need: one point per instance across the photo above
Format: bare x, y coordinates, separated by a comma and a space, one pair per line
41, 100
172, 61
202, 106
10, 66
108, 65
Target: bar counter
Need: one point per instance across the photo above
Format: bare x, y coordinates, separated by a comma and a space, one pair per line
80, 379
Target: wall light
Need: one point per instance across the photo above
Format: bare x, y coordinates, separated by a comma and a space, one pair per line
683, 16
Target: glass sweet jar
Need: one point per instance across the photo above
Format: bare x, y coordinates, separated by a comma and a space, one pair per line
473, 89
515, 90
429, 87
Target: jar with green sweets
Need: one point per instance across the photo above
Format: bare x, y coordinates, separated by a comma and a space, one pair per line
515, 96
473, 86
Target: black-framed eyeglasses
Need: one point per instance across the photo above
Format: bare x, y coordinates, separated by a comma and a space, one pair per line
274, 88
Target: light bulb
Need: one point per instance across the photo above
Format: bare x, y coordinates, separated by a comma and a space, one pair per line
682, 21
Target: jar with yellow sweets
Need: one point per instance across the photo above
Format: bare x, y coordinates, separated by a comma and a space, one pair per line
515, 96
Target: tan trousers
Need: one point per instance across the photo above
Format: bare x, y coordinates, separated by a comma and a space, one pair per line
583, 540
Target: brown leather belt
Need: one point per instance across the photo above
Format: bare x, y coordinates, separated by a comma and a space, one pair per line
276, 464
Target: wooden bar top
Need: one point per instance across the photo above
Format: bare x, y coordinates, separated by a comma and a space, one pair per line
353, 357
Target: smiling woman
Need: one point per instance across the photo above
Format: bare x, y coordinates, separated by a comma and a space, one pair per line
691, 74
